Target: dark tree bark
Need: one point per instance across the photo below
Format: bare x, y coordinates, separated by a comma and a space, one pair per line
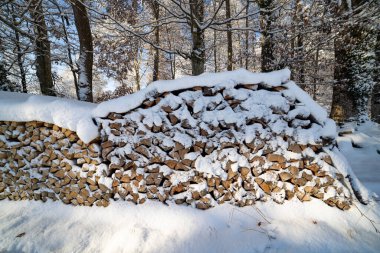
215, 53
247, 36
137, 74
85, 61
215, 45
375, 106
42, 50
299, 19
343, 101
352, 71
267, 45
198, 58
316, 64
172, 65
229, 36
156, 63
300, 61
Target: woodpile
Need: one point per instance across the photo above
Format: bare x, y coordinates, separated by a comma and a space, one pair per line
179, 146
42, 161
200, 147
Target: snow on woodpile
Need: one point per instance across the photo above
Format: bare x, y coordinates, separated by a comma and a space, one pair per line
78, 116
235, 137
66, 113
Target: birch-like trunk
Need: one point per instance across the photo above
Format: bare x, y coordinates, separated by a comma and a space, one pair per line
20, 62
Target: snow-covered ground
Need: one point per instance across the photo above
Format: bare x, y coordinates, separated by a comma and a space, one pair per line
361, 146
153, 227
28, 226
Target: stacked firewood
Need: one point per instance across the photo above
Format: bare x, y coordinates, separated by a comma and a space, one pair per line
200, 146
42, 161
203, 146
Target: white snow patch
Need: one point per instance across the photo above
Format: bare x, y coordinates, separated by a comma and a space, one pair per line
342, 165
210, 166
66, 113
317, 111
180, 176
106, 181
154, 227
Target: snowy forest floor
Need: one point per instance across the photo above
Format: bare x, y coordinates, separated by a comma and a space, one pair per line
362, 150
28, 226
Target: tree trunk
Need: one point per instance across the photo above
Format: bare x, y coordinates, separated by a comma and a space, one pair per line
267, 45
353, 70
198, 58
137, 74
215, 53
253, 54
214, 45
239, 35
300, 61
172, 65
343, 101
247, 36
316, 64
375, 105
156, 14
42, 43
229, 36
85, 61
19, 55
299, 68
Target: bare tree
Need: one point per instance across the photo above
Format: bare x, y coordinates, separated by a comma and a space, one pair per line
197, 33
42, 48
354, 45
247, 36
19, 51
229, 35
156, 14
375, 106
85, 61
267, 44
